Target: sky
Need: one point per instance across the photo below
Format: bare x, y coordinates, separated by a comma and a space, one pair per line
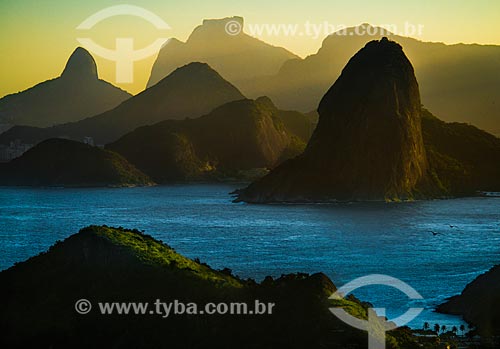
37, 37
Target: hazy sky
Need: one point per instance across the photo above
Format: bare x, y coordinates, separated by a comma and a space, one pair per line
37, 37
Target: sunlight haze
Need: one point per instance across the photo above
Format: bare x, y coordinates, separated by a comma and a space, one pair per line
47, 30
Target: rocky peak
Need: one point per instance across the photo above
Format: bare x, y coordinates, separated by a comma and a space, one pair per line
216, 28
368, 144
80, 65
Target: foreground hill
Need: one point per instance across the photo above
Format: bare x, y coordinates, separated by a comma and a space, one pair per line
190, 91
372, 142
458, 82
236, 57
104, 264
60, 162
479, 303
77, 94
234, 138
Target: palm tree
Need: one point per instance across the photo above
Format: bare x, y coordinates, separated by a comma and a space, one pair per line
426, 326
462, 328
443, 328
437, 327
454, 329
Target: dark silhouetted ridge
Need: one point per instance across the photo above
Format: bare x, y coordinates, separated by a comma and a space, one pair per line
61, 162
233, 139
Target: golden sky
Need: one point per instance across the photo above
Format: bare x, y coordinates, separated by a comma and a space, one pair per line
37, 37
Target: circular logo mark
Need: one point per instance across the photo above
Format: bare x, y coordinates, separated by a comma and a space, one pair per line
233, 28
124, 54
83, 306
374, 340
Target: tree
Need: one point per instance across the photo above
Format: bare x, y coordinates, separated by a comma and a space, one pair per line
462, 328
454, 329
426, 326
437, 327
443, 328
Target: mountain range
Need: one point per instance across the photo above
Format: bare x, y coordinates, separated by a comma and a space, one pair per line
190, 91
236, 56
77, 94
458, 82
242, 138
236, 137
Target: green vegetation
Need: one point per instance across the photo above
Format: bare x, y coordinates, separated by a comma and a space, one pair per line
104, 264
155, 253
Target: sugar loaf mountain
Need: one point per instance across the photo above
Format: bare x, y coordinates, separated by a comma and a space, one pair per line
369, 142
77, 94
103, 264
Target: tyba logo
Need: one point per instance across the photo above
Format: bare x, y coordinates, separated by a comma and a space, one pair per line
124, 54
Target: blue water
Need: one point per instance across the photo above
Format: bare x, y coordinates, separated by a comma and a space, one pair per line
344, 241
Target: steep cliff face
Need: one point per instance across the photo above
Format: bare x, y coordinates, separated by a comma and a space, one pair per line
368, 144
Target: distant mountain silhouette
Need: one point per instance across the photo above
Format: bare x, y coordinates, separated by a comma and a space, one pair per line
235, 57
78, 93
236, 137
457, 82
60, 162
190, 91
369, 143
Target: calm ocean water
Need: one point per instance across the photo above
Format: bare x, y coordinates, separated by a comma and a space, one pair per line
344, 241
